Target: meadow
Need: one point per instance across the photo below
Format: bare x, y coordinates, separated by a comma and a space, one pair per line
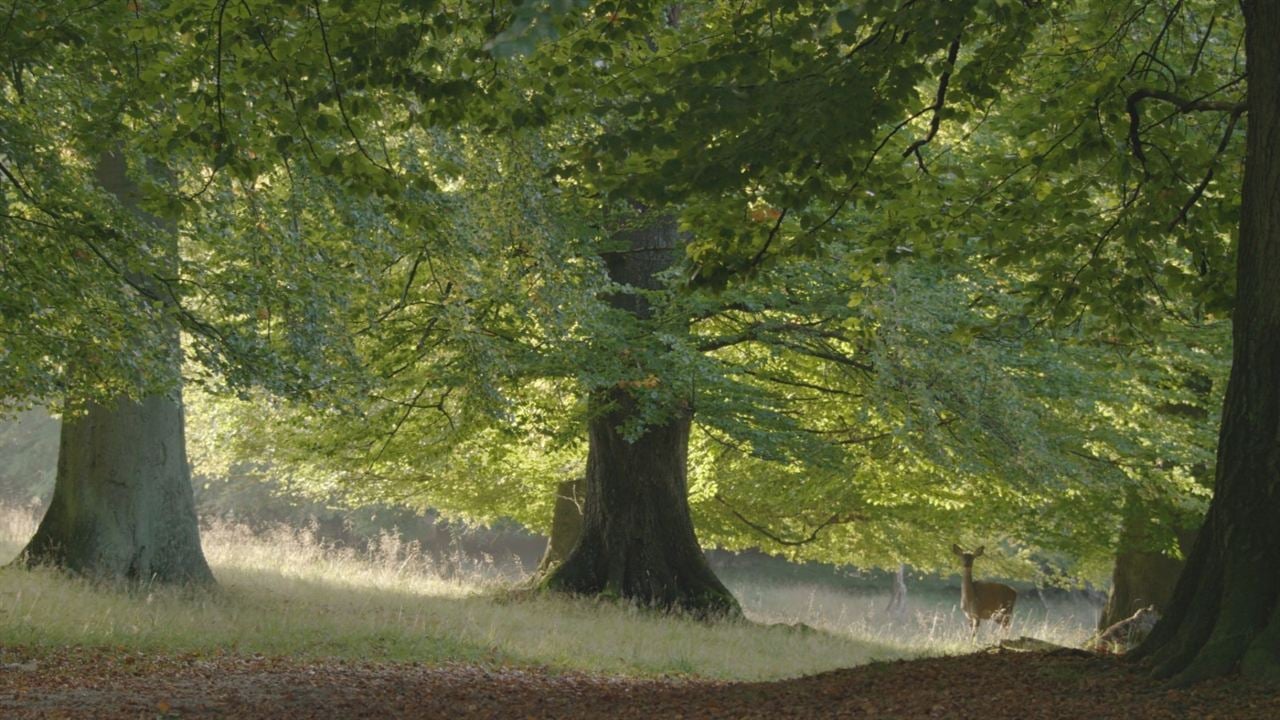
285, 592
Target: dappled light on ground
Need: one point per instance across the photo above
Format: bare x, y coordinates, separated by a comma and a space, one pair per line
286, 592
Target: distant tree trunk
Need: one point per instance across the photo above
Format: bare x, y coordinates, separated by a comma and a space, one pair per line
1225, 612
122, 506
1142, 576
898, 601
638, 541
566, 523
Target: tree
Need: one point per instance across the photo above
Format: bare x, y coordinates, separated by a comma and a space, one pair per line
1148, 564
95, 279
566, 524
637, 540
641, 70
1144, 575
1225, 612
122, 505
635, 475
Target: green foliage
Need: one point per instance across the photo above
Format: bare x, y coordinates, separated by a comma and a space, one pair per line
933, 290
243, 139
928, 415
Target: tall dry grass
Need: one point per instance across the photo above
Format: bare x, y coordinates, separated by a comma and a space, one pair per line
930, 623
286, 593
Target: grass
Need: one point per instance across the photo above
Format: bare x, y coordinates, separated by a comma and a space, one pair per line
284, 593
931, 623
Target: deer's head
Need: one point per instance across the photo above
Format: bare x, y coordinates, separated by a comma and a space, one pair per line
967, 557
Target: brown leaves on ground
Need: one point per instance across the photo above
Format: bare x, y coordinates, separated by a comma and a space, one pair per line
81, 682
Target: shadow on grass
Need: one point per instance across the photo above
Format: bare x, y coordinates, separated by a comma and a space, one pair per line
323, 612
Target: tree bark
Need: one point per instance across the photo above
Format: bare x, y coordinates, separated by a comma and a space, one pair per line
638, 541
1225, 614
566, 523
122, 506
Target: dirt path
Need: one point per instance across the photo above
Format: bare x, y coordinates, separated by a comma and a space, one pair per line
86, 683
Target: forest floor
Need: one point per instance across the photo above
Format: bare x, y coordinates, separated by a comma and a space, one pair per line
97, 683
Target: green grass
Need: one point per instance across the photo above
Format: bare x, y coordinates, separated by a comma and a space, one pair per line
287, 594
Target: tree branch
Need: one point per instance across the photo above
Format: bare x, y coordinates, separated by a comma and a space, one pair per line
1183, 106
939, 101
1208, 175
835, 519
337, 91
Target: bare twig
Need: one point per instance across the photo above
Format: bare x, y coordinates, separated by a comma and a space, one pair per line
835, 519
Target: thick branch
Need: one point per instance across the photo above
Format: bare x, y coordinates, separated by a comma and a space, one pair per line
1183, 106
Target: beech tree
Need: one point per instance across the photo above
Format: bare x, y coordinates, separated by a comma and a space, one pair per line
1225, 612
930, 293
122, 506
637, 539
97, 283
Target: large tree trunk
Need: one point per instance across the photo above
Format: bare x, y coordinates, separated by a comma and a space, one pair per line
122, 506
1225, 613
637, 540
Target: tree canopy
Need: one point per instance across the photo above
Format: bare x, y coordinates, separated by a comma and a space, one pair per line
944, 271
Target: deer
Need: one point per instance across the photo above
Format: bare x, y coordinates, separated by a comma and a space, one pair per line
983, 600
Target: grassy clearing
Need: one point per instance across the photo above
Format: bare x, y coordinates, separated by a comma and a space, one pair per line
287, 594
931, 623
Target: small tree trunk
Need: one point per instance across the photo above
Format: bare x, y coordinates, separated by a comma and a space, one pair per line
122, 506
1225, 612
637, 540
566, 523
897, 607
1141, 576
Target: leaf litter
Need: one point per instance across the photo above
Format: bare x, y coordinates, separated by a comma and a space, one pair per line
75, 682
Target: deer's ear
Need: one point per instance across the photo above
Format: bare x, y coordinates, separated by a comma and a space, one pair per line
978, 552
956, 549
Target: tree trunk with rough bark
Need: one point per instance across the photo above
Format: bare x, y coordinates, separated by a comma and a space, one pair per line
638, 541
122, 506
1225, 612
